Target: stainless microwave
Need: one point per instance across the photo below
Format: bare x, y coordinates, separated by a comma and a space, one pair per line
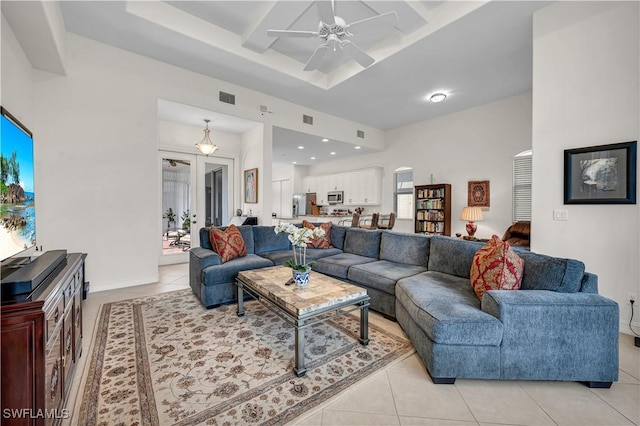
335, 197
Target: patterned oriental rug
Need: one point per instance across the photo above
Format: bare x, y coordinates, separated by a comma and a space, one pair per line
164, 359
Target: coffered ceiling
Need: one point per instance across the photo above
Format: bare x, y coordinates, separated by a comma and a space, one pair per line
477, 51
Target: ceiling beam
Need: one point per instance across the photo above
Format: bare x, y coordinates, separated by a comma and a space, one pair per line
40, 29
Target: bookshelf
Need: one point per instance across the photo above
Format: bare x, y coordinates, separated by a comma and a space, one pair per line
433, 209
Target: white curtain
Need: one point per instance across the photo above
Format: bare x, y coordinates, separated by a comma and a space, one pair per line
176, 194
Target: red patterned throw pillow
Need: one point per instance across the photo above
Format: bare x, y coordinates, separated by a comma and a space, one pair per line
496, 267
323, 242
228, 243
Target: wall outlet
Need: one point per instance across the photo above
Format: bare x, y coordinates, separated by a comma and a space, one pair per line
632, 296
560, 214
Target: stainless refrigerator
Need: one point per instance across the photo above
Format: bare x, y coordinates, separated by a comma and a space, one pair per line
302, 203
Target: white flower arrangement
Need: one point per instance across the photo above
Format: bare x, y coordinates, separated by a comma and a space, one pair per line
299, 238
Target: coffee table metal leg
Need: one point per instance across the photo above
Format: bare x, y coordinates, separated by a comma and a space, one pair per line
299, 367
240, 295
364, 324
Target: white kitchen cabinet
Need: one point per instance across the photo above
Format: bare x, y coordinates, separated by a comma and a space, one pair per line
362, 187
310, 184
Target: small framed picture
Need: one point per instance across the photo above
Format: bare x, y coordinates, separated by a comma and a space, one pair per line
478, 194
604, 174
251, 186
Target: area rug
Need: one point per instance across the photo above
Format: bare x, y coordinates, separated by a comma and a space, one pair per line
164, 359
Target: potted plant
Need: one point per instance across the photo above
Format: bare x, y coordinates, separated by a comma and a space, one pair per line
299, 238
186, 221
170, 216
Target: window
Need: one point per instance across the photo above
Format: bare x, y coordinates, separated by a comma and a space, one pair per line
403, 195
522, 177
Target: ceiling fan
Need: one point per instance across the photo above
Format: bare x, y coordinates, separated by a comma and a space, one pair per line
334, 31
174, 163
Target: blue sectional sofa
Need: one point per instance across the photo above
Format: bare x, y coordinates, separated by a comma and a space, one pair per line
555, 328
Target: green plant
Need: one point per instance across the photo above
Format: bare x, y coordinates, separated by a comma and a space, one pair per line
170, 216
186, 220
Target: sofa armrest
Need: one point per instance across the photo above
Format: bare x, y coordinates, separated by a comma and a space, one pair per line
547, 335
203, 258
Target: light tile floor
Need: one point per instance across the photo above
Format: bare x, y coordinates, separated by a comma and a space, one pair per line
403, 394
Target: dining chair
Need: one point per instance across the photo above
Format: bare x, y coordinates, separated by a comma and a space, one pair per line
371, 223
387, 221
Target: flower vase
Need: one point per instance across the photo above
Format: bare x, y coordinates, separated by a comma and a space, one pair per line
301, 278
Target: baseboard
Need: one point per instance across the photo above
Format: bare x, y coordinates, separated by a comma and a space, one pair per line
624, 327
96, 287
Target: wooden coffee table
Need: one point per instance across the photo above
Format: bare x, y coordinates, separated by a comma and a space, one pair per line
323, 298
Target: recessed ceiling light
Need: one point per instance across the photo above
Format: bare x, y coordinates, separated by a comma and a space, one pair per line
332, 153
301, 147
295, 162
313, 158
357, 147
325, 140
438, 97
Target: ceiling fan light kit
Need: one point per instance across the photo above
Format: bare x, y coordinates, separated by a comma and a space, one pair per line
334, 31
205, 145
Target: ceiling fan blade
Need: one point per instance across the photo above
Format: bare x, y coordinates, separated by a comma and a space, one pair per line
383, 22
315, 59
358, 55
325, 9
287, 33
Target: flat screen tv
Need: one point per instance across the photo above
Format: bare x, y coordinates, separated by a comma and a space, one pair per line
17, 191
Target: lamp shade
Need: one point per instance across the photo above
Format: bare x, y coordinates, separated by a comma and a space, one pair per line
471, 214
205, 145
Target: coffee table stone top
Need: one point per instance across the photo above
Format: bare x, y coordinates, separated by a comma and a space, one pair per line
321, 292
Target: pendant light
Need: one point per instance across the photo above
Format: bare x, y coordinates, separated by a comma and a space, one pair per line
205, 145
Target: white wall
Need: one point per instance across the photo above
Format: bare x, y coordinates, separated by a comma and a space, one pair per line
475, 144
96, 138
16, 95
252, 157
586, 92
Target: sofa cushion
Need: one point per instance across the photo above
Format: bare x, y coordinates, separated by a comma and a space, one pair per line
278, 257
315, 254
363, 242
265, 240
323, 242
227, 272
338, 265
447, 310
452, 255
382, 275
543, 272
496, 267
410, 249
227, 243
338, 233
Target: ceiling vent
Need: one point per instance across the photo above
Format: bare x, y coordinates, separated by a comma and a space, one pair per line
361, 134
307, 119
227, 98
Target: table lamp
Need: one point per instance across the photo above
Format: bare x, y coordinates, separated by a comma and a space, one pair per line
471, 215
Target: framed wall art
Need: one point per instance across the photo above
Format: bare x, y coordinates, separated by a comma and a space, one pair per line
478, 194
251, 186
604, 174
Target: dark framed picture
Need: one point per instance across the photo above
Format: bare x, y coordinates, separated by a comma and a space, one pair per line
251, 186
604, 174
478, 194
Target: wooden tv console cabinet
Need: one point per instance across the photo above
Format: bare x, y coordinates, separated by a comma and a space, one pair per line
41, 344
